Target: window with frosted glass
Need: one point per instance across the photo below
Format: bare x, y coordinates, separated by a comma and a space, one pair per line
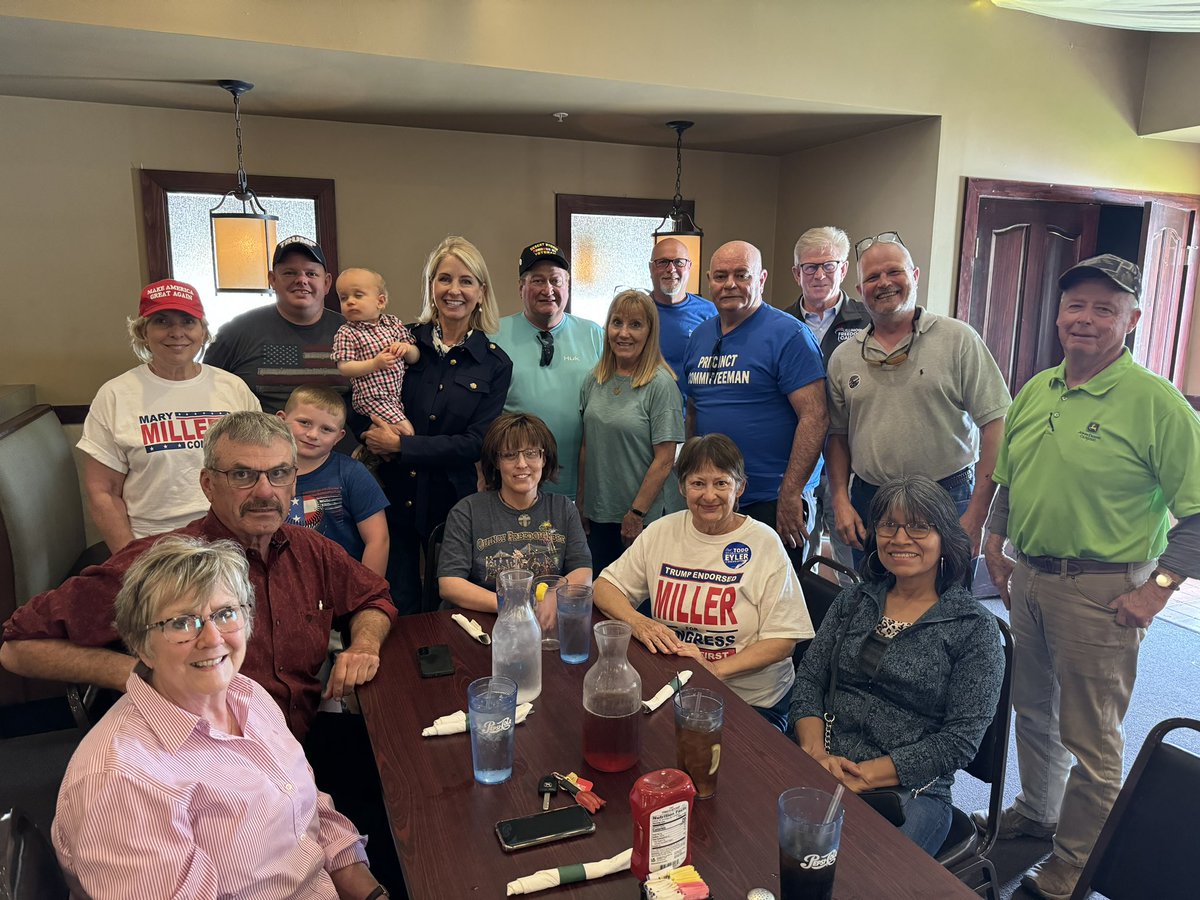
191, 247
608, 253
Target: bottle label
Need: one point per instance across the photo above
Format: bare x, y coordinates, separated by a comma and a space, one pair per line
668, 836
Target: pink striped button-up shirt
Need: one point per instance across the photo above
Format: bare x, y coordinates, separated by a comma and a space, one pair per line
156, 805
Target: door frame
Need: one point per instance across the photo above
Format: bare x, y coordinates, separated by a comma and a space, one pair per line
978, 188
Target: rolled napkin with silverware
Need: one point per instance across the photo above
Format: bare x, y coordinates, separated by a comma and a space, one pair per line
473, 628
669, 690
456, 722
548, 878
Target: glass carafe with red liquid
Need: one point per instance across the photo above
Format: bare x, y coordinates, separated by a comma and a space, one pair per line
612, 702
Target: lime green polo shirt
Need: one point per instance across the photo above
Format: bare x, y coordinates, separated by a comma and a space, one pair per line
1092, 470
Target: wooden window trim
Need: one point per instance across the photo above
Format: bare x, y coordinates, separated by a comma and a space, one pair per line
156, 183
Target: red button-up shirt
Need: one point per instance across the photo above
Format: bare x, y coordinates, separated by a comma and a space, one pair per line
303, 584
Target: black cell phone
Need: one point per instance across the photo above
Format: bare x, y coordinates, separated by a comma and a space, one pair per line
435, 661
544, 827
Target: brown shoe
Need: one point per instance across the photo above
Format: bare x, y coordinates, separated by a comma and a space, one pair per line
1053, 878
1014, 825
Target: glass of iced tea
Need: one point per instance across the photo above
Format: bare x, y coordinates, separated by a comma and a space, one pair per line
699, 717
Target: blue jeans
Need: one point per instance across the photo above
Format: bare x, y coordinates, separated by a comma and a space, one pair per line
927, 822
777, 715
862, 494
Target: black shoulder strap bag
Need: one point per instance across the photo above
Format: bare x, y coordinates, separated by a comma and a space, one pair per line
889, 802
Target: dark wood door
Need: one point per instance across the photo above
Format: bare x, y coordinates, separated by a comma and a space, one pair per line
1167, 292
1021, 247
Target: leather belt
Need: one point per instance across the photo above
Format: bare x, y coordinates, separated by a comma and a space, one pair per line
962, 476
1055, 566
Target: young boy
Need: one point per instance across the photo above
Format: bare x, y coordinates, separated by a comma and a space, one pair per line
372, 348
335, 495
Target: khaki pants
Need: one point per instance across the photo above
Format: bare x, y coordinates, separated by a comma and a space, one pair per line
1073, 674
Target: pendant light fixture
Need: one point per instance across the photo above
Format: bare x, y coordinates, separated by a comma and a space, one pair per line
242, 241
678, 223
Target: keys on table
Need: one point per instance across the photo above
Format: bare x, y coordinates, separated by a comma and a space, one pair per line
547, 787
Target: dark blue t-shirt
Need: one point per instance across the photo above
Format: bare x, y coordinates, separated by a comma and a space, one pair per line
743, 392
334, 498
675, 326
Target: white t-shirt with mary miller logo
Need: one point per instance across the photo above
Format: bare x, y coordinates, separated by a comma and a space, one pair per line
152, 431
720, 592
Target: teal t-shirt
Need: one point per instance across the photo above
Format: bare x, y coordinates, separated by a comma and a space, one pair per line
1092, 470
621, 426
552, 392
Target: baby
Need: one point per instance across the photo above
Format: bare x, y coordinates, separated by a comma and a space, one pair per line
373, 348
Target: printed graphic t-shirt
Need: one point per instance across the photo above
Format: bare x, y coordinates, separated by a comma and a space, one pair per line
152, 430
484, 537
720, 592
334, 497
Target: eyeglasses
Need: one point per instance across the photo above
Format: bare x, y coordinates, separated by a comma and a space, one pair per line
715, 359
915, 530
895, 357
677, 263
828, 267
885, 237
530, 455
546, 339
280, 476
540, 283
185, 629
741, 276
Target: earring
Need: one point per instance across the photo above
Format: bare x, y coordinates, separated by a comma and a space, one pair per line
871, 566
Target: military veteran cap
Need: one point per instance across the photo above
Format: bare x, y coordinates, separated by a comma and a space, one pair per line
1121, 272
299, 244
542, 251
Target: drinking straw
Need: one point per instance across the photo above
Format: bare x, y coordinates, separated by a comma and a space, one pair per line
837, 796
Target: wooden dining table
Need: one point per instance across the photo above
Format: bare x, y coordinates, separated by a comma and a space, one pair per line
443, 823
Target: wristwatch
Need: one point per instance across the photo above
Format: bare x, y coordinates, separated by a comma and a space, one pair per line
637, 512
1165, 579
380, 891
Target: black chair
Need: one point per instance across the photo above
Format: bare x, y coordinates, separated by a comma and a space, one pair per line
431, 599
1147, 846
28, 867
964, 852
819, 594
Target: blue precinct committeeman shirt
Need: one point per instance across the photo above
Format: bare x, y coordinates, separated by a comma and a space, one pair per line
552, 392
334, 497
676, 324
743, 391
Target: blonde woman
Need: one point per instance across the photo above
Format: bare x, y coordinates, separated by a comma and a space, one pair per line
451, 395
143, 438
632, 427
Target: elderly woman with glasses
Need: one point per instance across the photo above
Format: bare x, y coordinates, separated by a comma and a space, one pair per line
918, 662
192, 785
632, 426
721, 588
514, 524
143, 439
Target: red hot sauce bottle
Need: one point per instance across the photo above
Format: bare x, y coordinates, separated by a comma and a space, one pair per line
661, 805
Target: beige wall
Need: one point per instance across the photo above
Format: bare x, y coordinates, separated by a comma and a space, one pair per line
70, 221
881, 182
1018, 96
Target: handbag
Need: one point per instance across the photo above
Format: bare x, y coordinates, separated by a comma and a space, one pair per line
889, 802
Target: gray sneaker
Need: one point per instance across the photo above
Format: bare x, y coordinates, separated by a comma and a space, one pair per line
1052, 879
1014, 825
